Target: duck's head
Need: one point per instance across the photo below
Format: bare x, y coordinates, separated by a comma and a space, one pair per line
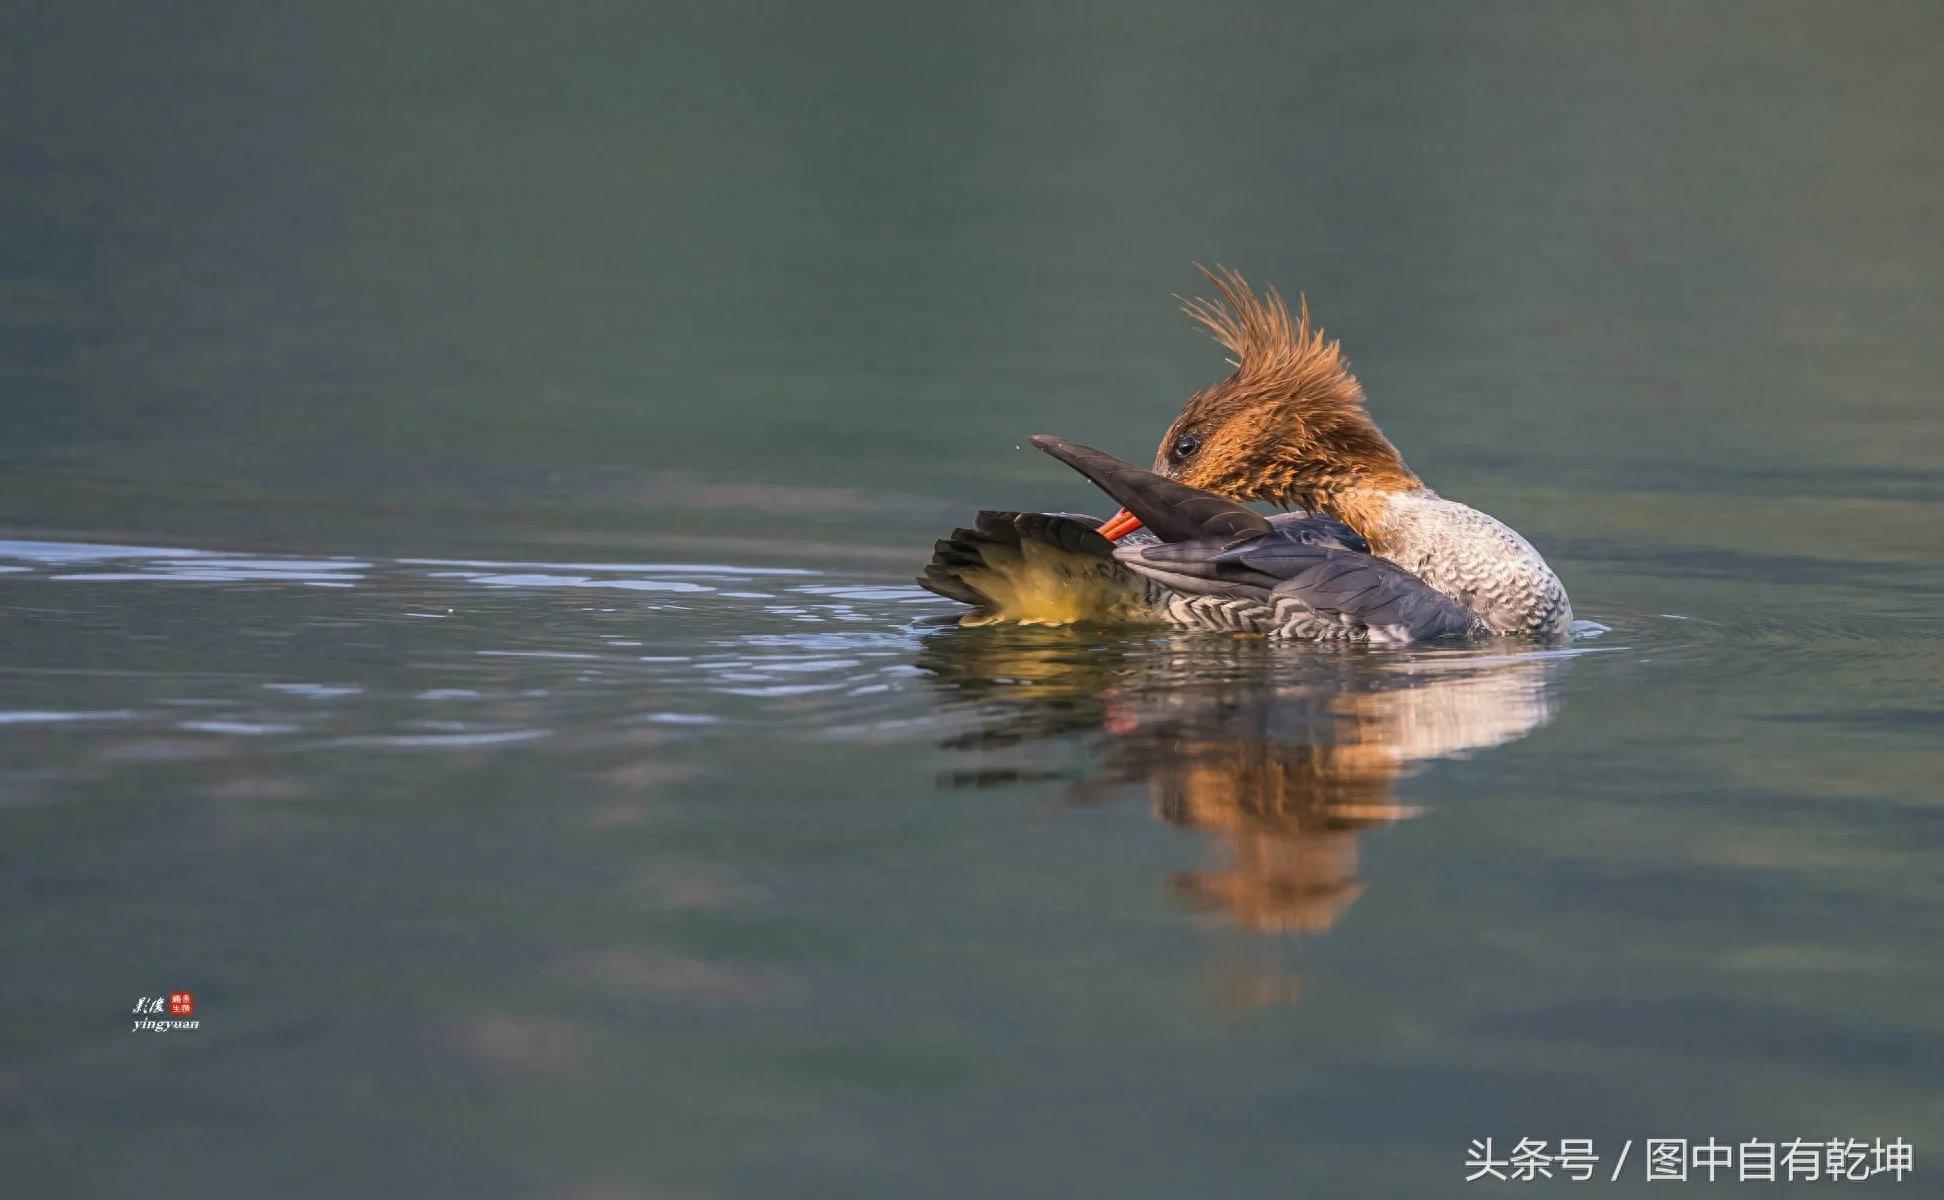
1287, 427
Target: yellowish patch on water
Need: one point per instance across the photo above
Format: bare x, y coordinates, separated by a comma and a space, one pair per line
1038, 584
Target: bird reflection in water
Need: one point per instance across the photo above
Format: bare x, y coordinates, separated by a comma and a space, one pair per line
1284, 754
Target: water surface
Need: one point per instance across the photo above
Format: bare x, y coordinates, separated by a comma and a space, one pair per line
462, 479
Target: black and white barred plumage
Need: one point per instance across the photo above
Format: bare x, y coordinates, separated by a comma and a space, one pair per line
1208, 563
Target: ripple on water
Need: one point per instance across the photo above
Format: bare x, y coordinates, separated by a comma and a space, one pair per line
511, 646
49, 717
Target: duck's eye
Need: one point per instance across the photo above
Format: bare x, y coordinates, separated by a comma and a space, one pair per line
1186, 445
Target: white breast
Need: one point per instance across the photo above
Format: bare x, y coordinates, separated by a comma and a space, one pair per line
1478, 561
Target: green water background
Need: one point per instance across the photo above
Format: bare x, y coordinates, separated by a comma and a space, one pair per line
786, 286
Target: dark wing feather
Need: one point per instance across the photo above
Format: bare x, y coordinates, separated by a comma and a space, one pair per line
1318, 529
1071, 532
1347, 585
1174, 511
1213, 546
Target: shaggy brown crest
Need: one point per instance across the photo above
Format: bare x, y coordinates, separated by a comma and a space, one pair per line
1289, 425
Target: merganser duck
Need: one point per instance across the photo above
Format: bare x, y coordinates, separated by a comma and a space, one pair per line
1367, 552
